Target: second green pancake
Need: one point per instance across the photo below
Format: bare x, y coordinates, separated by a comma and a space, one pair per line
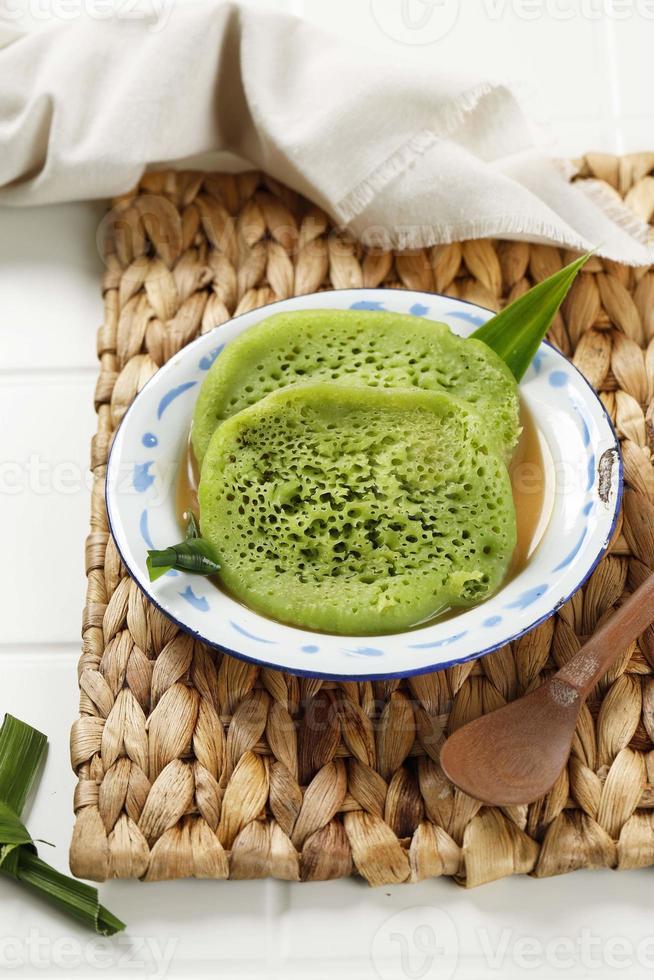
379, 349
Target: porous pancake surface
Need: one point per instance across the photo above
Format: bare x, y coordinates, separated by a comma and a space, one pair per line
379, 349
355, 510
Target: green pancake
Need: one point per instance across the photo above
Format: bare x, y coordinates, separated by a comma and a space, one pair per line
355, 510
383, 350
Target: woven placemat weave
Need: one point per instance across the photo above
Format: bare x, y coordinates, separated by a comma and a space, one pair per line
190, 762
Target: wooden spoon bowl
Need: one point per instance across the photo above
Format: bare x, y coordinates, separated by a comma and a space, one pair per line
515, 754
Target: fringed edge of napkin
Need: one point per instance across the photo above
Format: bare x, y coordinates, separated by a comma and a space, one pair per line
446, 120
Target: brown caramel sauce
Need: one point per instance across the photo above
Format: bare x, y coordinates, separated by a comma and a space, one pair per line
532, 481
186, 493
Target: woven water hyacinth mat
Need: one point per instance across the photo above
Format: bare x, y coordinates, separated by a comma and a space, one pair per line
190, 762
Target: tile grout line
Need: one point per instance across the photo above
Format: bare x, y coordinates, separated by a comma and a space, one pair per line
62, 649
50, 369
22, 375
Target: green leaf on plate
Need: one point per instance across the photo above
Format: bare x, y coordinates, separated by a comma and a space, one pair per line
516, 333
193, 555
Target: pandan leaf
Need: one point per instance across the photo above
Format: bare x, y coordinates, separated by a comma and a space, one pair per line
21, 751
193, 555
515, 334
13, 834
69, 895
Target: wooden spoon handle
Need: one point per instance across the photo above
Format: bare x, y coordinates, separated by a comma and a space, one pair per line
595, 657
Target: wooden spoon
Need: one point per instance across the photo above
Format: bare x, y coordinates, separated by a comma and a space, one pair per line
514, 755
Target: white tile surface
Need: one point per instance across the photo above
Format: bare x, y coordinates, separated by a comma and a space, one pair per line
637, 133
50, 301
633, 39
44, 502
590, 80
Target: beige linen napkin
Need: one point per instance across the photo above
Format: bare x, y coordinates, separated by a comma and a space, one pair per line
401, 154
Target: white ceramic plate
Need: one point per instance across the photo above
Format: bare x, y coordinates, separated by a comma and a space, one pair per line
586, 490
